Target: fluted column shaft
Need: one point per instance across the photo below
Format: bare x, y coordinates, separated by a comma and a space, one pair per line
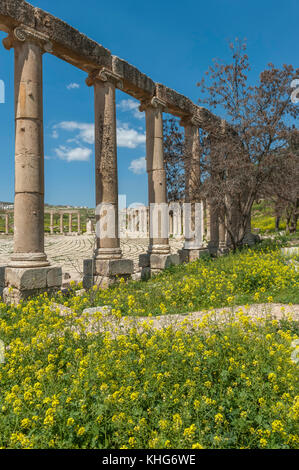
29, 157
6, 224
51, 223
192, 185
79, 222
70, 222
108, 243
61, 223
192, 163
157, 190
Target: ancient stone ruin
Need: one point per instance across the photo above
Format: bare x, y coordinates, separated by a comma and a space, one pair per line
32, 32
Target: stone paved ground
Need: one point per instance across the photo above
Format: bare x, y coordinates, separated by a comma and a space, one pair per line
70, 251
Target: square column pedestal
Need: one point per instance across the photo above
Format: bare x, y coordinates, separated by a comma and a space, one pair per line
18, 284
154, 263
189, 255
106, 272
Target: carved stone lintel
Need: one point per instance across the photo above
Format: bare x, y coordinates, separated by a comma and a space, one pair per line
154, 102
104, 75
24, 33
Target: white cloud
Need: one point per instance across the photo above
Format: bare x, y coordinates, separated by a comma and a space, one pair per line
126, 136
131, 105
72, 86
78, 154
86, 131
138, 166
129, 138
55, 134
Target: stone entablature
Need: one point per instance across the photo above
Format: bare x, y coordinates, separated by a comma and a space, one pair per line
67, 43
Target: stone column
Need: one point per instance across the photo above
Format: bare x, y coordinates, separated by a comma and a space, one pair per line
108, 247
213, 244
61, 224
70, 222
193, 213
79, 223
208, 221
107, 257
222, 238
214, 229
29, 154
29, 46
51, 223
6, 224
158, 256
157, 191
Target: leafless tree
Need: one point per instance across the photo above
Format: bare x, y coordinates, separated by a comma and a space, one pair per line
240, 155
173, 157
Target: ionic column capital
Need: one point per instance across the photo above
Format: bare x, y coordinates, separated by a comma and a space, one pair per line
23, 34
104, 75
191, 120
154, 102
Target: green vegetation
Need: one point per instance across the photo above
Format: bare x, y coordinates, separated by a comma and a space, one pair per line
198, 384
250, 276
85, 214
263, 218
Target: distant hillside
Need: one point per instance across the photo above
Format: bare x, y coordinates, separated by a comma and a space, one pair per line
263, 217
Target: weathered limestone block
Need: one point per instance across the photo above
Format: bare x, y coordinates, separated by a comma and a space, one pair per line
154, 263
187, 256
103, 309
26, 278
290, 251
144, 260
21, 283
2, 276
33, 278
2, 279
105, 272
251, 239
133, 80
163, 261
54, 276
68, 43
145, 273
87, 281
114, 267
88, 269
176, 102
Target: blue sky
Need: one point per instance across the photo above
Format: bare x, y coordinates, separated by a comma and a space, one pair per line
173, 42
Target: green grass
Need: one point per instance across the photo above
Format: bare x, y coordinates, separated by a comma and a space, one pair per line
263, 218
249, 276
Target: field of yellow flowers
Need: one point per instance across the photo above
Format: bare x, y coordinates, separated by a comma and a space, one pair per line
203, 384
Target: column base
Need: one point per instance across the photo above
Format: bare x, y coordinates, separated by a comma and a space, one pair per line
223, 249
152, 263
250, 239
189, 255
105, 272
28, 260
107, 253
213, 248
21, 283
159, 249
